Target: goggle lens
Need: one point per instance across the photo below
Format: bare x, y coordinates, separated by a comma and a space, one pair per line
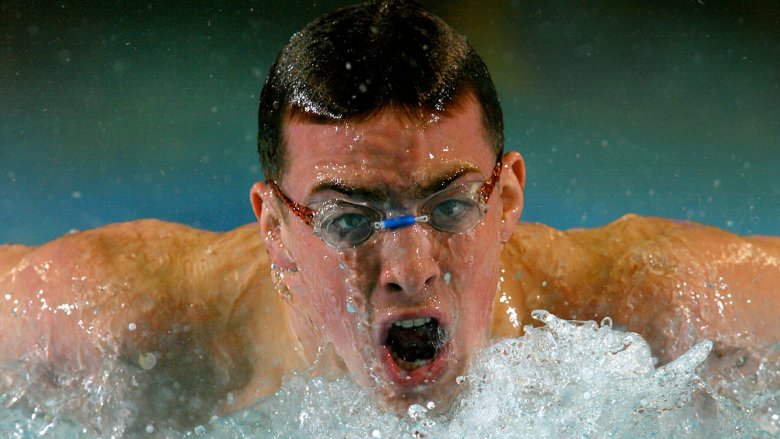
343, 224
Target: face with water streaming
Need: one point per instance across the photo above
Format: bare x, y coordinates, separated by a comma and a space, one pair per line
405, 309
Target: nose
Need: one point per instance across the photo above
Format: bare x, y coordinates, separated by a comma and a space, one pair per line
409, 268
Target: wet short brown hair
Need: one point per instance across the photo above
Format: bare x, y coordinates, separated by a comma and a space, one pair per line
356, 61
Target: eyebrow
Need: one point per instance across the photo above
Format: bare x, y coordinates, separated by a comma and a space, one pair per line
430, 185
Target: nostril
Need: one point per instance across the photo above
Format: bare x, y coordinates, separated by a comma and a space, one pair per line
394, 287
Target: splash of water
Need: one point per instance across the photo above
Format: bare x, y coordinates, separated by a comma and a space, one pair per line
564, 379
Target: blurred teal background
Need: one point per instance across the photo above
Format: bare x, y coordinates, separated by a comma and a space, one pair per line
128, 110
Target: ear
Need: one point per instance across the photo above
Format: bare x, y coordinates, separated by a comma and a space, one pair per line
267, 213
511, 187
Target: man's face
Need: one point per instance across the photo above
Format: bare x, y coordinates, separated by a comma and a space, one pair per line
407, 308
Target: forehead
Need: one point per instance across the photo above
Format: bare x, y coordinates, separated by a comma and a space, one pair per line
391, 149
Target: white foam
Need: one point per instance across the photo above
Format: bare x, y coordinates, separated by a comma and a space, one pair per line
564, 379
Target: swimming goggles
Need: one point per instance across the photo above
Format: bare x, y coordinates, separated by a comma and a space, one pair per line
343, 224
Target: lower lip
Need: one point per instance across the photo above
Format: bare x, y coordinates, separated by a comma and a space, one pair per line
422, 376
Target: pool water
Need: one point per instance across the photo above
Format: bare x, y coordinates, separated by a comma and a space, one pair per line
563, 379
113, 113
668, 108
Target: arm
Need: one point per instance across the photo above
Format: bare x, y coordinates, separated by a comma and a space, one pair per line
673, 282
181, 312
694, 282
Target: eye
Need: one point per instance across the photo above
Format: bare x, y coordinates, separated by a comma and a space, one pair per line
452, 209
348, 222
348, 227
455, 215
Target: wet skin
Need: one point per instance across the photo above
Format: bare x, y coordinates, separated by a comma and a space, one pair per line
409, 273
205, 304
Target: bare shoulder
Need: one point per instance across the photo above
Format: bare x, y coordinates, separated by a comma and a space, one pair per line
679, 282
10, 254
186, 307
674, 282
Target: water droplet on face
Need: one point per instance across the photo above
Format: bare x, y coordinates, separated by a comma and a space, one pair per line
131, 327
351, 308
147, 360
447, 278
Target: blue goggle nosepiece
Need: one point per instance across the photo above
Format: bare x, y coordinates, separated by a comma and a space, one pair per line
401, 221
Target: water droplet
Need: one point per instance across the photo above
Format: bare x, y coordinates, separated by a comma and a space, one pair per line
416, 411
131, 327
351, 308
147, 361
447, 278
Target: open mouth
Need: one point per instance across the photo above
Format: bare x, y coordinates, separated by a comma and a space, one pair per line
415, 343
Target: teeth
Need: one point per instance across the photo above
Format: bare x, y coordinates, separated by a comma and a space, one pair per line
411, 323
411, 365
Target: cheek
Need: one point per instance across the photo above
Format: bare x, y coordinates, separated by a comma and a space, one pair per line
475, 266
317, 288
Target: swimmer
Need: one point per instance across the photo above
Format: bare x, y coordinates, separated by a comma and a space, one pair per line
387, 248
